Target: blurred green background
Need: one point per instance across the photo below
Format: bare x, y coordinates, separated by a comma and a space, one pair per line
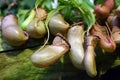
22, 4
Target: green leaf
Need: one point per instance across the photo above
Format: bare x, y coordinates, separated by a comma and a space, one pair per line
28, 19
47, 5
86, 11
37, 3
67, 12
22, 14
99, 1
79, 2
116, 63
89, 3
117, 3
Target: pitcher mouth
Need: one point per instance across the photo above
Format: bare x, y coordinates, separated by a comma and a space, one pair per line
64, 39
115, 37
26, 35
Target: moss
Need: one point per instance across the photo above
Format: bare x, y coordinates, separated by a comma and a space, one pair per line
16, 65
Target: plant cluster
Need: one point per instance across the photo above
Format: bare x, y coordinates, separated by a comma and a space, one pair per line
78, 27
